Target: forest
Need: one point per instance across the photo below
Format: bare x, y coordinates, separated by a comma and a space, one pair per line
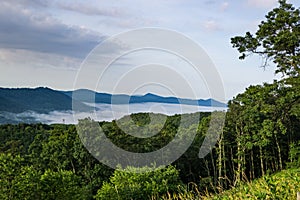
257, 155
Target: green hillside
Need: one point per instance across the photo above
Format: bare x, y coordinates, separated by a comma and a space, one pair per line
282, 185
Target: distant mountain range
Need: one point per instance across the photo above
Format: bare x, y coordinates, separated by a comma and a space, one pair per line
40, 100
45, 100
89, 96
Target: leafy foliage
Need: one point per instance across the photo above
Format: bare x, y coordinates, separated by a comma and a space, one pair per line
277, 39
135, 183
260, 137
282, 185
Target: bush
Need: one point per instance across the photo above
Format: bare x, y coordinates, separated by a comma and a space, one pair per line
140, 183
282, 185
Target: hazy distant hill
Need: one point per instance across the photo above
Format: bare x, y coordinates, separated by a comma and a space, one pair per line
89, 96
45, 100
40, 100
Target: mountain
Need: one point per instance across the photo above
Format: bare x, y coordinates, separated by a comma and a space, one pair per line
90, 96
45, 100
40, 100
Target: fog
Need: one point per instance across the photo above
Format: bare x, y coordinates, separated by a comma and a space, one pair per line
102, 112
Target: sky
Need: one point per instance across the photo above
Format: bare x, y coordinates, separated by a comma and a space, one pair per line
46, 43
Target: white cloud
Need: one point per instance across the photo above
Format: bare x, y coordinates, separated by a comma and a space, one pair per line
24, 28
37, 59
262, 3
87, 9
211, 25
23, 68
224, 6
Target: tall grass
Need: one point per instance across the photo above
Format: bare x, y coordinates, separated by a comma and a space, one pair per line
282, 185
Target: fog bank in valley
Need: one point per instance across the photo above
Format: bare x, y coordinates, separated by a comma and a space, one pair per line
102, 112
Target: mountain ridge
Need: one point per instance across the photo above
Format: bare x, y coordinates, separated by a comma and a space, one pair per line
45, 100
40, 100
90, 96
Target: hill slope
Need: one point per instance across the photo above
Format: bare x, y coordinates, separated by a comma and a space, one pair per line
282, 185
40, 100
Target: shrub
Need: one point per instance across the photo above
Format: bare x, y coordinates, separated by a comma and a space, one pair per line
140, 183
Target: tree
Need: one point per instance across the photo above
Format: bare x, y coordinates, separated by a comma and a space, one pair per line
277, 39
26, 184
10, 166
135, 183
57, 150
61, 185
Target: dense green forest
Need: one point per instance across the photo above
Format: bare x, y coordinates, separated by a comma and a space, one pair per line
260, 141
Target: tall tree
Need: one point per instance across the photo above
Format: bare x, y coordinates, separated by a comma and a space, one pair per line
277, 39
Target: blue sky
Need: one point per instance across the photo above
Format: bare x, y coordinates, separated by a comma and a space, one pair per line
43, 42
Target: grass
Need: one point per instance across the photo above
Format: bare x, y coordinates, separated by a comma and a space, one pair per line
281, 185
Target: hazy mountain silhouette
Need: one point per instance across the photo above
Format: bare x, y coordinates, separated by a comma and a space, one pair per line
84, 95
45, 100
40, 100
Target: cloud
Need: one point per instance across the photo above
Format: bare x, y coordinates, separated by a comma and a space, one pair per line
87, 9
105, 113
24, 68
32, 3
262, 3
12, 57
23, 28
210, 2
224, 6
211, 25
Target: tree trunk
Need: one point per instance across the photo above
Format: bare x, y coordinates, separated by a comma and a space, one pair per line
279, 152
244, 175
238, 172
261, 161
232, 164
214, 168
252, 171
220, 160
224, 164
